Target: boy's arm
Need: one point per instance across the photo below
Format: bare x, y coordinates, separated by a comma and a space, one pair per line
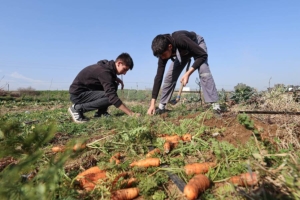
158, 77
126, 110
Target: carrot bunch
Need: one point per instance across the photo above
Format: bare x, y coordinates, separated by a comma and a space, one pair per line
199, 183
198, 168
89, 177
245, 179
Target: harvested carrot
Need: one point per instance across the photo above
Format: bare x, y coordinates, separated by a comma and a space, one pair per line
171, 138
148, 162
89, 177
114, 182
174, 144
187, 137
125, 194
129, 182
198, 168
115, 158
167, 147
58, 149
199, 183
79, 146
245, 179
153, 152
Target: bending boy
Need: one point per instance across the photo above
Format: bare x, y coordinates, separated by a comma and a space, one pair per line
180, 46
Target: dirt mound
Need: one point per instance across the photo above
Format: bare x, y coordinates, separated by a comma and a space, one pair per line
234, 132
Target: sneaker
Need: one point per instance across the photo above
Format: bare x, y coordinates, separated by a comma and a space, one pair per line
159, 111
104, 114
217, 113
77, 116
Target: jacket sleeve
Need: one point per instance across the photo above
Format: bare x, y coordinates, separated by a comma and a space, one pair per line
159, 77
107, 80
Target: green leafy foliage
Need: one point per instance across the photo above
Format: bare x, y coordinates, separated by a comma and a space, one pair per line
26, 146
242, 93
28, 141
245, 120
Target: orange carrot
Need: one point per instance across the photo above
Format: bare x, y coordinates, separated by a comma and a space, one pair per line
245, 179
114, 182
171, 138
187, 137
115, 158
148, 162
198, 168
129, 182
125, 194
167, 147
58, 149
79, 146
89, 177
153, 152
199, 183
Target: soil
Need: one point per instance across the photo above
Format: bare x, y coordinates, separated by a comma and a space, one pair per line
236, 133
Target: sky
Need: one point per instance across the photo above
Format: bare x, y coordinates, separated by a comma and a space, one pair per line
44, 44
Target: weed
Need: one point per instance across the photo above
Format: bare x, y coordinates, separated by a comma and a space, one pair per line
245, 120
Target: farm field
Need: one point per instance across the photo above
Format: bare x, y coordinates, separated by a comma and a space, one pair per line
44, 154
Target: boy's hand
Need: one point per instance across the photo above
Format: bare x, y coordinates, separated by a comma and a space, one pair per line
135, 114
185, 79
151, 110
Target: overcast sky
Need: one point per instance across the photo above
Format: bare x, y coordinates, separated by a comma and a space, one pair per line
44, 44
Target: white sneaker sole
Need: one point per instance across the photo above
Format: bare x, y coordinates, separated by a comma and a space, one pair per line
74, 119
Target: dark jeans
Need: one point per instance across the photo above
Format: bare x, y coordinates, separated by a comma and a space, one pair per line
92, 100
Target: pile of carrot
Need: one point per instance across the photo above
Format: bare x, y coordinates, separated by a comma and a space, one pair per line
245, 179
199, 183
147, 162
198, 168
88, 178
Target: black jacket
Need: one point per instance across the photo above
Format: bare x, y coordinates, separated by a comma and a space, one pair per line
98, 77
186, 43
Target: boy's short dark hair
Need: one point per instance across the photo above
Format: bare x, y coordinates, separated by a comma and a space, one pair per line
126, 59
160, 44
